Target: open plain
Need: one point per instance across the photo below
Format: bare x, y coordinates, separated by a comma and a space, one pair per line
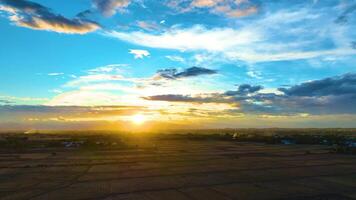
178, 169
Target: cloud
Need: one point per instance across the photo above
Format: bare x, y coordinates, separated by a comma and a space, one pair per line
302, 34
139, 54
175, 58
43, 113
194, 38
280, 56
334, 95
235, 9
107, 68
55, 74
344, 17
103, 78
35, 16
254, 74
189, 72
189, 99
22, 100
174, 98
100, 77
244, 89
339, 85
148, 25
110, 7
242, 13
4, 101
85, 98
205, 3
229, 8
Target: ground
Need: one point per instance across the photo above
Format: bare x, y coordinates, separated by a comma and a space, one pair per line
179, 169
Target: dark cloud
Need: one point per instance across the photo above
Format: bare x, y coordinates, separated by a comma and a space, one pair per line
334, 95
213, 98
244, 89
344, 17
84, 14
173, 98
166, 73
339, 85
195, 71
110, 7
35, 16
189, 72
4, 101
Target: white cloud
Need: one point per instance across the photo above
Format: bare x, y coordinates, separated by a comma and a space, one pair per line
194, 38
55, 74
279, 56
299, 37
254, 74
98, 75
139, 54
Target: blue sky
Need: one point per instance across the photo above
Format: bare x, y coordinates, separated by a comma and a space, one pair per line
177, 61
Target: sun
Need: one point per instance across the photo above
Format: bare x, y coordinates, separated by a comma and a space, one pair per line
138, 119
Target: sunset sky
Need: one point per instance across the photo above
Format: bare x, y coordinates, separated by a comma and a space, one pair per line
114, 64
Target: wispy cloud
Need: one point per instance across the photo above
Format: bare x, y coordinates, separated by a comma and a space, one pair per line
110, 7
344, 17
92, 78
303, 38
35, 16
175, 58
149, 25
55, 74
108, 69
229, 8
194, 38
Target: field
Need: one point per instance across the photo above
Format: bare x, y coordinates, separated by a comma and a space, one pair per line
189, 166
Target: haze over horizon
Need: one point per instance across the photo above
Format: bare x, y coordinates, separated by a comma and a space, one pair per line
146, 64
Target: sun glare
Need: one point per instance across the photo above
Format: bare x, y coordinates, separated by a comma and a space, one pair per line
138, 119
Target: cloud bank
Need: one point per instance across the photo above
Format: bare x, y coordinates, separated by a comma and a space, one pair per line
334, 95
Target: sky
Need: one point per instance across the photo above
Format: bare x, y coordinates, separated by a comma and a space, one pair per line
104, 64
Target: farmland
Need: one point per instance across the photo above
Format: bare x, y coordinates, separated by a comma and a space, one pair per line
170, 166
